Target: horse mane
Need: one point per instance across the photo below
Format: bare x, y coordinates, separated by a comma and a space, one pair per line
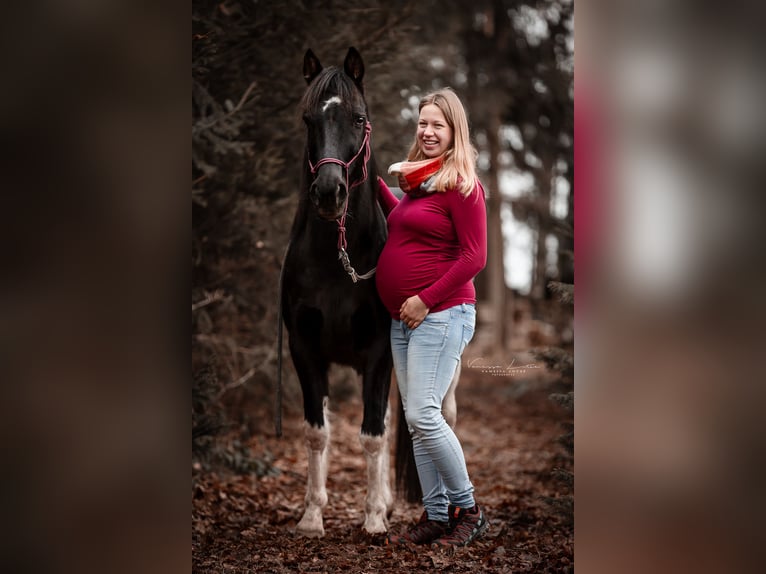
330, 81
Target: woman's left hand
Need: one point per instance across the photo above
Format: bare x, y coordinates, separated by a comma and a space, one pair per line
413, 311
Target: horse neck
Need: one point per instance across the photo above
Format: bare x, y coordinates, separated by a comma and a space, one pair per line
362, 201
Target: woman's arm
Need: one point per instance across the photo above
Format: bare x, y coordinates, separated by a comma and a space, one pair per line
469, 215
386, 197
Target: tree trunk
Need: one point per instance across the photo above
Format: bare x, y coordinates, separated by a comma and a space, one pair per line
541, 251
566, 243
495, 252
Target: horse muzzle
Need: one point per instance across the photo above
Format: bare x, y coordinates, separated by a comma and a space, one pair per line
330, 203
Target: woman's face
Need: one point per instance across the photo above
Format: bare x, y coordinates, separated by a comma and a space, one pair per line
434, 134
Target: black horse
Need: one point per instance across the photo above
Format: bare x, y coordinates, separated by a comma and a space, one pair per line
332, 312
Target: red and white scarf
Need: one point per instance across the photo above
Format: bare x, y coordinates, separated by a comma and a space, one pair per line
416, 177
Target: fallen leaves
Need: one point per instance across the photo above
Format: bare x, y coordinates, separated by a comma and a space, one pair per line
245, 522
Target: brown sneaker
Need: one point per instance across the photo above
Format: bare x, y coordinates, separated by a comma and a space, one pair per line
466, 524
423, 531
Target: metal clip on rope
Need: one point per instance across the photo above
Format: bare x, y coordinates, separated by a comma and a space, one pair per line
346, 262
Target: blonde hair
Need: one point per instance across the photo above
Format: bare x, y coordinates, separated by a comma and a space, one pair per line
459, 169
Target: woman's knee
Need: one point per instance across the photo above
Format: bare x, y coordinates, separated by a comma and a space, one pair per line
424, 419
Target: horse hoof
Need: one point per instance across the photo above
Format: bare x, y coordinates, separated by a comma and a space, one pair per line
364, 537
309, 532
374, 526
309, 528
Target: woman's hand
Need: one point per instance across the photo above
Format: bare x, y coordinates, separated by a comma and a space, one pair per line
413, 311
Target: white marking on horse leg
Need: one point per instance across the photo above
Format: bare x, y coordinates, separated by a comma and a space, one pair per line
386, 466
317, 439
334, 100
379, 496
449, 404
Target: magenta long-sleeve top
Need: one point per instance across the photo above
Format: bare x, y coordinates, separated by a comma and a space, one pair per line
436, 245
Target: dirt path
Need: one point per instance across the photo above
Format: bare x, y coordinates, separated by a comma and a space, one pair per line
508, 428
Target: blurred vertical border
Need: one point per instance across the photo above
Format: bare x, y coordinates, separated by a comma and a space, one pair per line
669, 152
94, 115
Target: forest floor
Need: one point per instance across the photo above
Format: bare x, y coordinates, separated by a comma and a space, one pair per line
244, 520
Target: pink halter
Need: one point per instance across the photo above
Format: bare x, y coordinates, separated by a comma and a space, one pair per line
345, 165
342, 254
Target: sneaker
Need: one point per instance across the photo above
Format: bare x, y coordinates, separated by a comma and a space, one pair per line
423, 531
466, 524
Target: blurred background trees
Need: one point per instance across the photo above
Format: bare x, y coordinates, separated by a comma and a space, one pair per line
511, 61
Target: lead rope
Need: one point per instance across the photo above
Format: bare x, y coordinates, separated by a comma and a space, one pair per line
342, 253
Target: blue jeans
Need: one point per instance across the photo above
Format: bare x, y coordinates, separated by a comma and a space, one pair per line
425, 359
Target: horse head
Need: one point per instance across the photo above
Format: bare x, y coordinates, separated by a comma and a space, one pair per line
338, 132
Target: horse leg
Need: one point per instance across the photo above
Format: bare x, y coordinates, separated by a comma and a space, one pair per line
312, 373
317, 439
388, 495
449, 404
380, 501
374, 439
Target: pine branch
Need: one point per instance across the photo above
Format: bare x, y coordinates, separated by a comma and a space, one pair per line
563, 506
567, 441
207, 417
556, 359
403, 14
565, 400
216, 129
564, 229
564, 476
565, 291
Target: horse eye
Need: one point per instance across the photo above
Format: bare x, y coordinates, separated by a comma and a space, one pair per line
359, 120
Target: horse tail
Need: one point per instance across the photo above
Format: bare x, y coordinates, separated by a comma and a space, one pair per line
407, 481
278, 405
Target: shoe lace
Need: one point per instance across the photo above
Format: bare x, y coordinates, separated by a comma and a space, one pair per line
464, 527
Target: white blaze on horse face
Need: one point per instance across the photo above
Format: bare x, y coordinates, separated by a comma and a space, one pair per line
317, 439
379, 498
335, 100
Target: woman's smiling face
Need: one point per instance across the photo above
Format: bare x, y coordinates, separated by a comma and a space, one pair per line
434, 133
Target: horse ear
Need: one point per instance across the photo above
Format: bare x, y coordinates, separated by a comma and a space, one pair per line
354, 66
311, 66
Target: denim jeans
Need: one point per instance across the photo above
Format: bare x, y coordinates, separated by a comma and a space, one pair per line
425, 359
